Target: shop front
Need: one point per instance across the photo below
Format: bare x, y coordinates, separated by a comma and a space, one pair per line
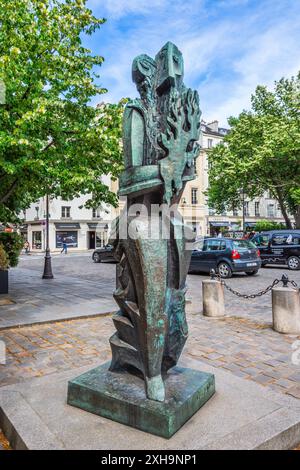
96, 235
216, 227
66, 233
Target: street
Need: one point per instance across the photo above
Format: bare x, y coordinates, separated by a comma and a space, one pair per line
98, 282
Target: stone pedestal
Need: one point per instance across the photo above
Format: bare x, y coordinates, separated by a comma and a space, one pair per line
121, 397
286, 310
213, 298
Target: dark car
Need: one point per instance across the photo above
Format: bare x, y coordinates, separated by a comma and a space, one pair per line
103, 254
226, 256
279, 247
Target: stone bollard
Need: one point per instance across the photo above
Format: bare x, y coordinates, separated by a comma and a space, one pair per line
286, 310
213, 298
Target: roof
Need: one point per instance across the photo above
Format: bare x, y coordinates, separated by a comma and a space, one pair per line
221, 132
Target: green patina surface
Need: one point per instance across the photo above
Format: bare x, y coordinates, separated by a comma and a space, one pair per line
161, 130
121, 397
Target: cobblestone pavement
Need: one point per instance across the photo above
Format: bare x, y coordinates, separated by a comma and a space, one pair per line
247, 348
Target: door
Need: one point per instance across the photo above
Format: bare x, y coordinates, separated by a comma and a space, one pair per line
215, 250
197, 256
280, 245
92, 240
262, 241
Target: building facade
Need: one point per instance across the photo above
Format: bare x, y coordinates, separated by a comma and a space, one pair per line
87, 229
194, 207
70, 222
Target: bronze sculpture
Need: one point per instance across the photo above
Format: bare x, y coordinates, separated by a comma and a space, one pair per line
160, 137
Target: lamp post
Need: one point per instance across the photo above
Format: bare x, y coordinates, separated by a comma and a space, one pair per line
243, 207
47, 266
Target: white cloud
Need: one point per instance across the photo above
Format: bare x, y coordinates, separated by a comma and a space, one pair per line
118, 8
227, 51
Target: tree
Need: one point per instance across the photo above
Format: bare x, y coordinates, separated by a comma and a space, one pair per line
52, 141
265, 225
261, 152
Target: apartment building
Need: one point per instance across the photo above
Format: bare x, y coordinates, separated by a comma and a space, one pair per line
86, 229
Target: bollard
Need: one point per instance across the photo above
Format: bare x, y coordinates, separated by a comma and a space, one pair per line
213, 298
286, 310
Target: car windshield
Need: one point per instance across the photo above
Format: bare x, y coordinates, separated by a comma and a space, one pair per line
243, 244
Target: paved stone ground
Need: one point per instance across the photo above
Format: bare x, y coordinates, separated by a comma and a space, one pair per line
81, 287
249, 349
242, 342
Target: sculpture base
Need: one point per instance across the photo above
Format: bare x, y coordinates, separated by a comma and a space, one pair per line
121, 397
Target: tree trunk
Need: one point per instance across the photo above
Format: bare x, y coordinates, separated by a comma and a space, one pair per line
283, 209
296, 214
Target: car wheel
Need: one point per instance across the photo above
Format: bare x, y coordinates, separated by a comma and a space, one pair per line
252, 273
224, 270
97, 258
293, 263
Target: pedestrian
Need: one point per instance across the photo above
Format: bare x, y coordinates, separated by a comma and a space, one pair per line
64, 247
27, 247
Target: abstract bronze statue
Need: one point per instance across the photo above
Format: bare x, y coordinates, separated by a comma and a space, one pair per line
160, 137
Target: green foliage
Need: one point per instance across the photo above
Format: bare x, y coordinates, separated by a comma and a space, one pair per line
261, 152
4, 263
51, 139
13, 244
264, 225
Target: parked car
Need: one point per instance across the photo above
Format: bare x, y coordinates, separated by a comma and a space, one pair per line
103, 254
226, 256
279, 247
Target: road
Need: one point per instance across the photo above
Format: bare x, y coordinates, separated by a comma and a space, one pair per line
101, 281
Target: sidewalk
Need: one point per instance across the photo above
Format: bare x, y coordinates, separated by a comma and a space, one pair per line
32, 299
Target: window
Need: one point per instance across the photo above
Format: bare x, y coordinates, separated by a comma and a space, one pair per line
235, 212
211, 211
285, 239
296, 239
209, 143
68, 237
214, 245
97, 213
65, 212
194, 193
261, 240
246, 208
257, 209
270, 210
37, 240
243, 244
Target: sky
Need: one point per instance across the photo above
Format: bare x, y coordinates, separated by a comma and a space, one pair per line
228, 46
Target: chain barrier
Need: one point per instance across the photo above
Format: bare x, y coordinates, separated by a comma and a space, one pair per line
285, 281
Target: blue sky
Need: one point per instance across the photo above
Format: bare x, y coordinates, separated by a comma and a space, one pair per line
229, 46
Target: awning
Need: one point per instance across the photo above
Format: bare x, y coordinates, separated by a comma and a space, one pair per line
67, 226
219, 224
97, 226
250, 224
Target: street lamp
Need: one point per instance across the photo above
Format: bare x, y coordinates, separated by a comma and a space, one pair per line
242, 193
47, 266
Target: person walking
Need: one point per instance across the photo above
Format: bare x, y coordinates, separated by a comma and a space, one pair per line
64, 247
27, 247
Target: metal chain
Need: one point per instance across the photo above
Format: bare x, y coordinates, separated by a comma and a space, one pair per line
285, 280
